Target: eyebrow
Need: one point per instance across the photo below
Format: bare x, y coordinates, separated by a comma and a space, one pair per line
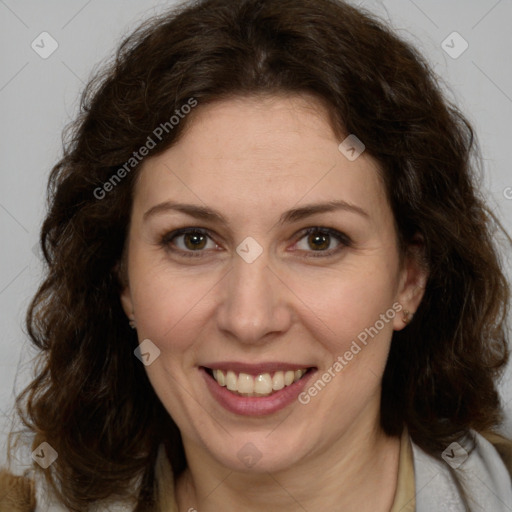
294, 215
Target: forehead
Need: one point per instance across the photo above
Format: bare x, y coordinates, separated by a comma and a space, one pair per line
260, 152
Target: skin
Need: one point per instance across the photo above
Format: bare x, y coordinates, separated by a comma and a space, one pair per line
252, 159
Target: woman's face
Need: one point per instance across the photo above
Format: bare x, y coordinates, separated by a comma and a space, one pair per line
289, 262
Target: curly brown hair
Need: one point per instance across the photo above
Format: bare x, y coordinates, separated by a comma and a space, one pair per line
91, 398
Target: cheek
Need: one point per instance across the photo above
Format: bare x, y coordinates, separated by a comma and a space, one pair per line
171, 305
342, 306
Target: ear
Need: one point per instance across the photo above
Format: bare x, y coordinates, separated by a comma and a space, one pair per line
413, 281
119, 271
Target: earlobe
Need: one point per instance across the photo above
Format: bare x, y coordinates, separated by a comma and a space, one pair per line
407, 316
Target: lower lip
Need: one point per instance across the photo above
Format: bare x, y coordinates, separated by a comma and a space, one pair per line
256, 406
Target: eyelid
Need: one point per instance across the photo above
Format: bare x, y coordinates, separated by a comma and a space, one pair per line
167, 238
343, 239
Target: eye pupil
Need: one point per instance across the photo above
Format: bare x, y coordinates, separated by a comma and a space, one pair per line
319, 241
194, 241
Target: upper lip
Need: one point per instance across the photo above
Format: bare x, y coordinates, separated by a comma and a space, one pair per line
255, 369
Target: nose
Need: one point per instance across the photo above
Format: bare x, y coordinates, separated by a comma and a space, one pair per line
255, 303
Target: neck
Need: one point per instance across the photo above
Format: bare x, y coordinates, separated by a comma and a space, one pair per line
357, 473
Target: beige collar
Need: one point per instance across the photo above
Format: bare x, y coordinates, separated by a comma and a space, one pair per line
405, 495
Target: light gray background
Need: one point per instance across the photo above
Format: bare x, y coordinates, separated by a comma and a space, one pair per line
39, 96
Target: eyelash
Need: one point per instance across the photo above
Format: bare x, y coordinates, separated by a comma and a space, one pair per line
344, 241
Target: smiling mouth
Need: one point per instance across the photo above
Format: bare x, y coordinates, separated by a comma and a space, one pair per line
264, 384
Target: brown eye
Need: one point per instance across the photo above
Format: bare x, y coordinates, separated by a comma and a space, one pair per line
319, 241
195, 241
188, 241
322, 241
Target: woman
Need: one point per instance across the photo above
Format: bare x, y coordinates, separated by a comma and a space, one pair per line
267, 259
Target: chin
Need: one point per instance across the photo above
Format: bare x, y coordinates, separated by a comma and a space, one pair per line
257, 453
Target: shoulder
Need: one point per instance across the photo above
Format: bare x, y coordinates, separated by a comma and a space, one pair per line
503, 446
476, 469
17, 493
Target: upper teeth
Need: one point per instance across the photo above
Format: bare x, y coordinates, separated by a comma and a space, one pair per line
263, 384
